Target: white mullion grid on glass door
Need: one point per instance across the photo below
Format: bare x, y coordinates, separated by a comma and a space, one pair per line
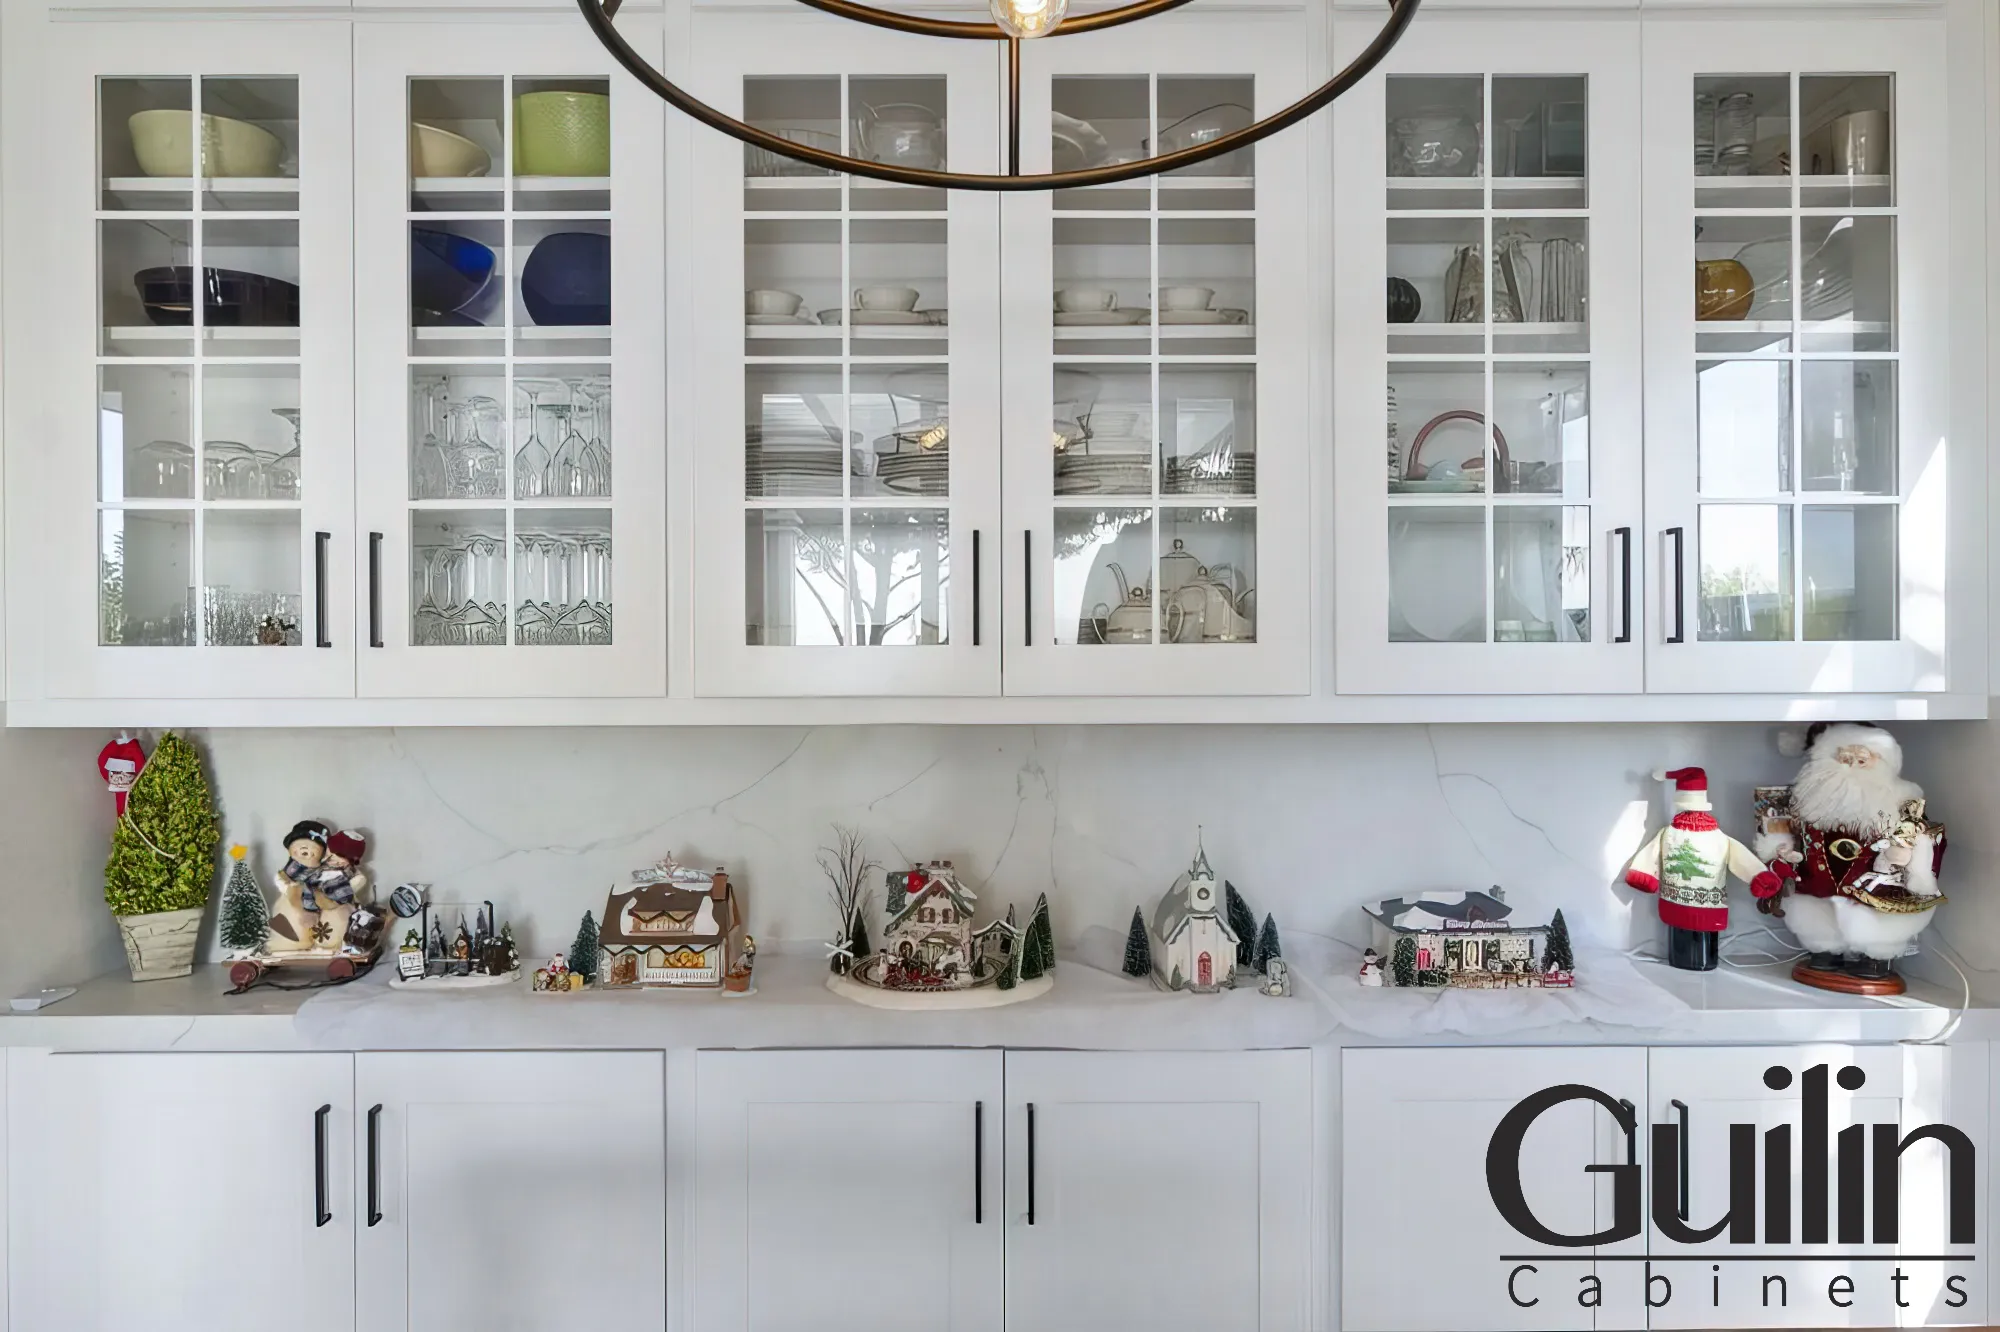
509, 626
1795, 372
1488, 259
845, 630
198, 368
1157, 463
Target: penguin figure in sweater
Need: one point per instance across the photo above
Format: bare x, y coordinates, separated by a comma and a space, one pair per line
1687, 864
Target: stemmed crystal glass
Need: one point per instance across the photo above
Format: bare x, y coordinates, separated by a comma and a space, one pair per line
532, 461
431, 477
570, 478
597, 465
282, 470
484, 462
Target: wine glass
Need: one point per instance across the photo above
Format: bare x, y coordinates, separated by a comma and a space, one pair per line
532, 461
570, 469
486, 464
597, 464
431, 476
282, 470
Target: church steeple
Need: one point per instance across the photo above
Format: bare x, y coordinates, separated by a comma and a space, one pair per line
1199, 869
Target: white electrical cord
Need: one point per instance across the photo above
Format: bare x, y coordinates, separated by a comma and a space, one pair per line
1944, 951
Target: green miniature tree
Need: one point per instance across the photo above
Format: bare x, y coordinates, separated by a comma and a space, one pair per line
1241, 923
1556, 955
1032, 964
1176, 981
1044, 932
1013, 964
1403, 961
1685, 864
858, 945
163, 849
1267, 945
583, 953
244, 911
1138, 948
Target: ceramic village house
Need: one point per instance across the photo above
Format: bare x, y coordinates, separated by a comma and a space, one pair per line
675, 926
1463, 940
1193, 947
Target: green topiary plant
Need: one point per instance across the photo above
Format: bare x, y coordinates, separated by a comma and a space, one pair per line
163, 849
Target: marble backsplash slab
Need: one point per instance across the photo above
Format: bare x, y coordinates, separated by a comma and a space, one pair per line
1308, 822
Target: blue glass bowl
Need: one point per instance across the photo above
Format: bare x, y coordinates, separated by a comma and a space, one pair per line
446, 270
567, 280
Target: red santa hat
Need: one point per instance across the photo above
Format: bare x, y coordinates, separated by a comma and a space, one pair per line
349, 846
1690, 786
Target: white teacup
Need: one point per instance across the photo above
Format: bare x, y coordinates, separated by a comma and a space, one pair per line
1186, 298
1081, 300
772, 302
885, 298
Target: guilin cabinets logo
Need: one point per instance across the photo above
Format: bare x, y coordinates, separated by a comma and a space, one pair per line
1860, 1206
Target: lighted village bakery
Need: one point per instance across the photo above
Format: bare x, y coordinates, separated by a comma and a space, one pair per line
675, 926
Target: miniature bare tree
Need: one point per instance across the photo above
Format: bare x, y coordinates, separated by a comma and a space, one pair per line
847, 868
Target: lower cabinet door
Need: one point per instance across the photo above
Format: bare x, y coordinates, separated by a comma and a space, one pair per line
181, 1192
847, 1191
1425, 1248
1169, 1192
510, 1190
1804, 1128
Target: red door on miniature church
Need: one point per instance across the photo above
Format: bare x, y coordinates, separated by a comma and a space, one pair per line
1204, 970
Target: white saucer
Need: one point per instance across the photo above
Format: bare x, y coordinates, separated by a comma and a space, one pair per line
890, 317
1100, 318
1195, 317
766, 321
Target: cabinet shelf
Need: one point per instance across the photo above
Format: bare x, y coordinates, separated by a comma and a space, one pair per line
142, 192
1445, 330
532, 332
1169, 332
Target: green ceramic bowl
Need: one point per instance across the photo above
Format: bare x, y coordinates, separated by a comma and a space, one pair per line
562, 134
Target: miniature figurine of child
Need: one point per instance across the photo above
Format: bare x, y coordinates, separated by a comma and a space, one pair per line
337, 879
1371, 968
295, 925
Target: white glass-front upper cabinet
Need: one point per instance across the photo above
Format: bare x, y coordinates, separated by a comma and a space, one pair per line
1157, 464
190, 362
847, 352
1488, 363
1796, 291
512, 449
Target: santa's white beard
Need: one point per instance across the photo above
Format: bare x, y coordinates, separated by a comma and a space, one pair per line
1864, 801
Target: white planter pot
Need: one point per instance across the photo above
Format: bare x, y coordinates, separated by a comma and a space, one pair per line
160, 945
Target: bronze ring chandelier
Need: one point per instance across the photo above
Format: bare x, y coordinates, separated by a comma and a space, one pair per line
1014, 21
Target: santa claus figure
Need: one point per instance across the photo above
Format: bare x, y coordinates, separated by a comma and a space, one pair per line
1688, 863
1860, 857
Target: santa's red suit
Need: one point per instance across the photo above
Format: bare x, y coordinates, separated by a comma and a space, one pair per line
1861, 859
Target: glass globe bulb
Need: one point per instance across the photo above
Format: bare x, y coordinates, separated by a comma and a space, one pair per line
1028, 18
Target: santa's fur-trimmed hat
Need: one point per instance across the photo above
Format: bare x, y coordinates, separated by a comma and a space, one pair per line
1823, 738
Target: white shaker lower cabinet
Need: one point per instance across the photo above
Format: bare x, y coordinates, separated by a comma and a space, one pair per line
182, 1192
1171, 1192
497, 1190
1846, 1274
1423, 1246
817, 1167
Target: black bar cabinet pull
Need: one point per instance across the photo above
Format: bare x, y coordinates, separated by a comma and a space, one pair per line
1028, 608
1631, 1134
1624, 535
1679, 635
321, 1212
979, 1163
1680, 1108
1031, 1163
374, 1163
374, 589
975, 587
319, 588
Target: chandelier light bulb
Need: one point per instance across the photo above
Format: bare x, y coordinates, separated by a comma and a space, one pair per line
1028, 18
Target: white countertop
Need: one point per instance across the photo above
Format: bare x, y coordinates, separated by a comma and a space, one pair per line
1088, 1009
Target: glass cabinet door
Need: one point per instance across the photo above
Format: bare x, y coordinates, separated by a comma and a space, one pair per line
1487, 356
1796, 394
513, 447
196, 362
846, 461
1156, 450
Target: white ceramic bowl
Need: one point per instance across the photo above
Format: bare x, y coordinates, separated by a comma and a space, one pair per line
772, 302
885, 298
1086, 300
1186, 298
439, 152
160, 140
